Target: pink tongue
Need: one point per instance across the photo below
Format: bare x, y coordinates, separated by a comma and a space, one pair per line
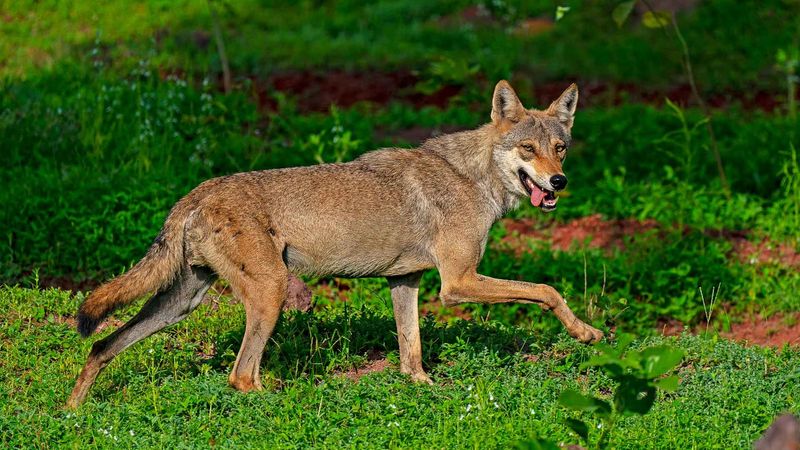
537, 196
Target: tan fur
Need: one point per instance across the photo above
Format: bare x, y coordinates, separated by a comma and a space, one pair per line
392, 213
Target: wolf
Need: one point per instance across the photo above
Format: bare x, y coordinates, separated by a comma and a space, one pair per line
390, 213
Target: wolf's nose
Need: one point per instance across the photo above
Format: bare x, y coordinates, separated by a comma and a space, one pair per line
558, 182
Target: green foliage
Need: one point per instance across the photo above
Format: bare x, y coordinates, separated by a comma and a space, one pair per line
788, 61
147, 142
783, 217
112, 112
679, 142
622, 11
124, 150
446, 72
638, 375
172, 387
656, 19
264, 36
333, 145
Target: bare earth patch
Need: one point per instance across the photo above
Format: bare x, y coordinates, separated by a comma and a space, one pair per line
766, 252
317, 91
376, 362
773, 332
597, 232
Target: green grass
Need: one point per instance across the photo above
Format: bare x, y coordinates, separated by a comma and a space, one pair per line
488, 391
732, 42
99, 141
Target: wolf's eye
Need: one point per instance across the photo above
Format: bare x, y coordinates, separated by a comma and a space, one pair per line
528, 147
561, 148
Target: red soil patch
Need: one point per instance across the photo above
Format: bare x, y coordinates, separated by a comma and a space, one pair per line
774, 331
765, 252
670, 327
611, 234
317, 91
377, 362
474, 15
332, 289
596, 231
534, 26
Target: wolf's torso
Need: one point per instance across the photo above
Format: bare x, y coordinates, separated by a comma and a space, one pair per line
375, 216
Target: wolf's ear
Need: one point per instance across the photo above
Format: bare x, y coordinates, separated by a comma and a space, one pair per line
506, 104
564, 107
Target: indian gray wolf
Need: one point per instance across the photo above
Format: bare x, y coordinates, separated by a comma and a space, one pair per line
390, 213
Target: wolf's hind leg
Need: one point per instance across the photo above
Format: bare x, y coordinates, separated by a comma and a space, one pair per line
263, 298
406, 315
247, 257
163, 309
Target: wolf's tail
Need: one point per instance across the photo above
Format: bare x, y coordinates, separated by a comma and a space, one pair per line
155, 271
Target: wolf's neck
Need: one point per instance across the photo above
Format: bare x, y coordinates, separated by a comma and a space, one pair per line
470, 154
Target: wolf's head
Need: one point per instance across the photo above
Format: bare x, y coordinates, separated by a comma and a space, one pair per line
532, 144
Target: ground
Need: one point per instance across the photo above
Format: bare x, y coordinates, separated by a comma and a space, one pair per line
111, 112
333, 381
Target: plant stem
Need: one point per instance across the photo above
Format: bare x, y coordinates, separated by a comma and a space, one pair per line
604, 434
223, 57
687, 66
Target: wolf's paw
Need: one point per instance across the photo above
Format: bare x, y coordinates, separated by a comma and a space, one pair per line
585, 333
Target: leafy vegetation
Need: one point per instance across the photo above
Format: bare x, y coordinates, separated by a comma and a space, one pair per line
639, 375
496, 385
110, 113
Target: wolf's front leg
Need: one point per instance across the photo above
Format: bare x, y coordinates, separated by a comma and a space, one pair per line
476, 288
406, 315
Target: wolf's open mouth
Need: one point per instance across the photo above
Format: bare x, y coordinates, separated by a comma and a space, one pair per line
539, 196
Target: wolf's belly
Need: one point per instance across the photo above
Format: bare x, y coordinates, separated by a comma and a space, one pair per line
356, 262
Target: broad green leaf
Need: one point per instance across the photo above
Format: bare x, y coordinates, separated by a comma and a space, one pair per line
634, 395
623, 341
669, 384
658, 360
622, 11
599, 361
606, 349
658, 19
576, 401
633, 361
561, 11
580, 428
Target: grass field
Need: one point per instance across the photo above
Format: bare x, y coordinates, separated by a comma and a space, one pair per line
111, 112
496, 386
